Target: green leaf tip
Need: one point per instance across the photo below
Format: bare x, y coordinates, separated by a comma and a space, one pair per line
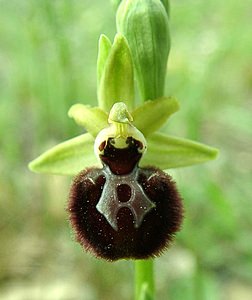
93, 119
117, 76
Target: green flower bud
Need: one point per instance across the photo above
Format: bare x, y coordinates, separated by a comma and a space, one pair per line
145, 25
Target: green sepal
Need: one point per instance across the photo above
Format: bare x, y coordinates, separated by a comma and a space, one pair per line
167, 152
117, 79
67, 158
151, 115
145, 25
93, 119
104, 48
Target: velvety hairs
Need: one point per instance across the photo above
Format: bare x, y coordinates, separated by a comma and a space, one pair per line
156, 230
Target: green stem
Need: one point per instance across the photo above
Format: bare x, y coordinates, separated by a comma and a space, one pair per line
144, 280
198, 281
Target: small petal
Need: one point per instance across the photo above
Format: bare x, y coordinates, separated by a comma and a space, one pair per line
67, 158
93, 119
167, 152
153, 114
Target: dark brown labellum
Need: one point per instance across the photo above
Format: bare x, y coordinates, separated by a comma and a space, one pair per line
123, 211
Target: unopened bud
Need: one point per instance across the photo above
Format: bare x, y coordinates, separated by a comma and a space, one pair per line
145, 25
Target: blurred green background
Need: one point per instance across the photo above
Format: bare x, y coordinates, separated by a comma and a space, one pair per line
47, 63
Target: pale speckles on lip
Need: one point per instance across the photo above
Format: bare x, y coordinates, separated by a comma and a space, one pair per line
151, 176
91, 180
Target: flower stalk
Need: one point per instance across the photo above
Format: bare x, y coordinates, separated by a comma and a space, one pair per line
144, 279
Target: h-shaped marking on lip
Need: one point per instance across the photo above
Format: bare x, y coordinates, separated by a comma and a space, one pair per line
109, 204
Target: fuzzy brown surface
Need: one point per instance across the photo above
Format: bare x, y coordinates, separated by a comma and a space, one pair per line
153, 236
